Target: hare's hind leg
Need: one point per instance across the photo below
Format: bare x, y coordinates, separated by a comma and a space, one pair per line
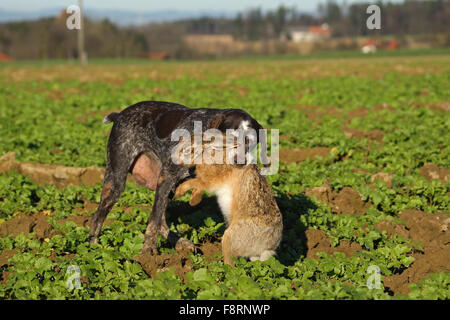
227, 251
266, 255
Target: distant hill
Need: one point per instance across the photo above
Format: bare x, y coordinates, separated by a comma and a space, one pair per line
120, 17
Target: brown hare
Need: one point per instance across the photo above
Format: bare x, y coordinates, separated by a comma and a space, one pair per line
247, 203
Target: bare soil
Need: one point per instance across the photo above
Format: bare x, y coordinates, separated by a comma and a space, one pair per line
317, 241
152, 264
299, 155
54, 174
382, 176
180, 261
431, 231
346, 201
431, 171
26, 224
374, 135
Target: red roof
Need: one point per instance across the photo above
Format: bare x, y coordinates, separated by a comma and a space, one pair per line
4, 57
370, 42
319, 30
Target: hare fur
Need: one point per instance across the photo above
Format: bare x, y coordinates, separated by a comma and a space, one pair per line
254, 221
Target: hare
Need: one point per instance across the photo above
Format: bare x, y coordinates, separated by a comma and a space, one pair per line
247, 203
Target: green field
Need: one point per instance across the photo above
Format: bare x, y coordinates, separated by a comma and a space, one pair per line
378, 194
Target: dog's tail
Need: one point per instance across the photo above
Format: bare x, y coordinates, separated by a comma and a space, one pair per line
112, 117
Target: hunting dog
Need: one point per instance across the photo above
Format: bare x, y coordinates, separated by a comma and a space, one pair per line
140, 143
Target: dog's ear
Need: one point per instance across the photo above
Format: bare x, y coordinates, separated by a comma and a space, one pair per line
216, 121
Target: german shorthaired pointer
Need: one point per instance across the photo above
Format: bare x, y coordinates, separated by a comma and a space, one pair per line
140, 142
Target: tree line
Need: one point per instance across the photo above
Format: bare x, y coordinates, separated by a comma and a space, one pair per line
49, 38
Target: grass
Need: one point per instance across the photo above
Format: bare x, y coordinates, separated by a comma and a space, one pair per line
51, 113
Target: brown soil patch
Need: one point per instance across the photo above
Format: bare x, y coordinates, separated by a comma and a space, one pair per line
299, 155
358, 113
6, 255
382, 176
444, 106
440, 106
54, 174
362, 112
152, 264
431, 230
375, 135
346, 201
314, 112
317, 241
180, 262
128, 209
431, 171
60, 94
26, 224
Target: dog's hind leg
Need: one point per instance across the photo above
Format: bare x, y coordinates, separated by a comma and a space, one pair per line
113, 185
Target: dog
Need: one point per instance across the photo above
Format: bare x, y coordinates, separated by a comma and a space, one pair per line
140, 143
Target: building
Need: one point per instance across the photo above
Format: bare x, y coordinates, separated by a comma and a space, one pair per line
369, 46
4, 58
307, 33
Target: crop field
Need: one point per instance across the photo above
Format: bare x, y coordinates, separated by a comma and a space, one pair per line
363, 183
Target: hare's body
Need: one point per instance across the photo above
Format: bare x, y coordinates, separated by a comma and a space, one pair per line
246, 200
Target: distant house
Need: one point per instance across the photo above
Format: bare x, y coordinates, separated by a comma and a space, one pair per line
392, 45
372, 45
4, 58
369, 46
307, 33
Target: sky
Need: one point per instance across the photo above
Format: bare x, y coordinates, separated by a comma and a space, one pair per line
155, 5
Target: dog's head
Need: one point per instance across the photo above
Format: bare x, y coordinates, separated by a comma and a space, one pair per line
241, 123
235, 119
231, 133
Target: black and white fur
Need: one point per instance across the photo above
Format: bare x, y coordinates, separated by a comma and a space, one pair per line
140, 143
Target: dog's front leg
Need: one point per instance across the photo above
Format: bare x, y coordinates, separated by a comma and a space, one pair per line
163, 188
157, 221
